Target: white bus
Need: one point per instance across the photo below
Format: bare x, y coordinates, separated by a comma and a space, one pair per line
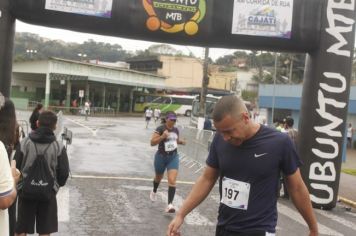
180, 104
209, 107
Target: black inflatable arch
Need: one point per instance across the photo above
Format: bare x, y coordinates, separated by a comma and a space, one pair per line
324, 29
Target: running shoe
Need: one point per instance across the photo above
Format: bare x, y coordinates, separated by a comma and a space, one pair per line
153, 196
170, 208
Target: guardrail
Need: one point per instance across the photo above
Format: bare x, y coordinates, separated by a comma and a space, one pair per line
24, 127
195, 152
63, 132
80, 110
59, 130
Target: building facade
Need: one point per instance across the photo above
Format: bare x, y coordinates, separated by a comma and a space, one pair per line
59, 82
285, 100
185, 74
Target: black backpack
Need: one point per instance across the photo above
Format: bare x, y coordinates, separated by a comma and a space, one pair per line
39, 182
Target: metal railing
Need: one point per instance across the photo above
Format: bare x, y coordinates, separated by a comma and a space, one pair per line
59, 130
24, 126
195, 152
96, 111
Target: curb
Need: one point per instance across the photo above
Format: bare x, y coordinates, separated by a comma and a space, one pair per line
347, 201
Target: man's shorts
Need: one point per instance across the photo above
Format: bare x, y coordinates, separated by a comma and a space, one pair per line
44, 214
221, 231
148, 118
166, 161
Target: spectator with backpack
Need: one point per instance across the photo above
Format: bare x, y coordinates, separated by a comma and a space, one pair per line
44, 166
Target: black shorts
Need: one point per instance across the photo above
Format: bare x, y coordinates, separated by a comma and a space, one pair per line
221, 231
148, 118
43, 213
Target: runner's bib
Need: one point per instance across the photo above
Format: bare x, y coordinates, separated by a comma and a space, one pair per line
235, 194
170, 145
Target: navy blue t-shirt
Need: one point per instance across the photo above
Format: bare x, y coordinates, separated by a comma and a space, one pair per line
258, 163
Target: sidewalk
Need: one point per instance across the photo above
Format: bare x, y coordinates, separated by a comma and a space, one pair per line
347, 185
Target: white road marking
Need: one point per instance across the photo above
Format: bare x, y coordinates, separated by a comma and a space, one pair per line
351, 213
140, 188
63, 204
216, 198
125, 178
93, 131
193, 218
337, 219
295, 216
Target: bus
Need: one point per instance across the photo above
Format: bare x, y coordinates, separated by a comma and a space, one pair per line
209, 107
180, 104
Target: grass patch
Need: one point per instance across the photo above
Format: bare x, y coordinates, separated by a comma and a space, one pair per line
349, 171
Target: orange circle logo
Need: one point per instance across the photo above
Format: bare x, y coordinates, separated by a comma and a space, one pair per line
175, 15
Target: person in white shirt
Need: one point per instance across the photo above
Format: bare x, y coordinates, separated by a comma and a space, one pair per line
9, 176
87, 109
148, 115
7, 190
156, 114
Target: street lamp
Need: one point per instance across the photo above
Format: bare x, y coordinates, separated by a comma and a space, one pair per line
31, 52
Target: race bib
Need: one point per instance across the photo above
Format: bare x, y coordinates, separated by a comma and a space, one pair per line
235, 193
170, 145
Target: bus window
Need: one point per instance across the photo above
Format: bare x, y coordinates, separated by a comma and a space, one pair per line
209, 108
180, 104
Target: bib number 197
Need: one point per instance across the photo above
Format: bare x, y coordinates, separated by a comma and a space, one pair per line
235, 194
230, 193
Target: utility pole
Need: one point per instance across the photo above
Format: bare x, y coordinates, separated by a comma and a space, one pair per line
274, 84
291, 69
205, 83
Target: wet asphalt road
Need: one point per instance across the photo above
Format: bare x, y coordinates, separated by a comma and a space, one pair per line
112, 167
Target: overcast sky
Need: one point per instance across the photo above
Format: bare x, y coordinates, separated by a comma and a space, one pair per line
127, 44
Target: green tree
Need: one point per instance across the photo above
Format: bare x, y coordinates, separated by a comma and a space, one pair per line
163, 49
55, 48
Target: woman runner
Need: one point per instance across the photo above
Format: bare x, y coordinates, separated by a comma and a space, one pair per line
166, 157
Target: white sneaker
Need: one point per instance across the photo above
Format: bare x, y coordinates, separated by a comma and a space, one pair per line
153, 196
170, 208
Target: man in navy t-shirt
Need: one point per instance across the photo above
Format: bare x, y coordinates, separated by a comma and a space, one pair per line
247, 158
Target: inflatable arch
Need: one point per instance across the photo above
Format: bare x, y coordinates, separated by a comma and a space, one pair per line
325, 29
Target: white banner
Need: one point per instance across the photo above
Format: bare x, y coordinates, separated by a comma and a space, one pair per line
99, 8
269, 18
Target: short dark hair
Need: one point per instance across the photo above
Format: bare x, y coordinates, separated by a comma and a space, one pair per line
47, 119
289, 121
228, 105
